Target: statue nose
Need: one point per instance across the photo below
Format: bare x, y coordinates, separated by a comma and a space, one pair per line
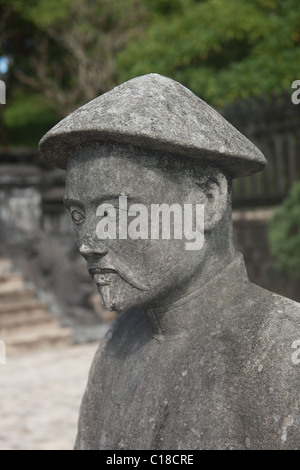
86, 250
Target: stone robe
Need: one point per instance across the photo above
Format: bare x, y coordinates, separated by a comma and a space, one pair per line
231, 383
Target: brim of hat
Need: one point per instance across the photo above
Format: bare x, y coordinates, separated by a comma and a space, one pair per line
57, 148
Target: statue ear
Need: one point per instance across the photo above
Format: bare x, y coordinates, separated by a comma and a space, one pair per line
215, 200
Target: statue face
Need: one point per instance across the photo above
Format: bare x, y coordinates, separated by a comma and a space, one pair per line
129, 272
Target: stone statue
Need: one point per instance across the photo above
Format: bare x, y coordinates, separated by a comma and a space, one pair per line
199, 357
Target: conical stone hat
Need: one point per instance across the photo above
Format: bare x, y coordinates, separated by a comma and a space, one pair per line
154, 112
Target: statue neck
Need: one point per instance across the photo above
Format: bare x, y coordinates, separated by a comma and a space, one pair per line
176, 317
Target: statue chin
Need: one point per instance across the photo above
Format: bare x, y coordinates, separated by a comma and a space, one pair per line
109, 300
114, 299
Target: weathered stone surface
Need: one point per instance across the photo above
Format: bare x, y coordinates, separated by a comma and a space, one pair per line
199, 358
155, 112
230, 383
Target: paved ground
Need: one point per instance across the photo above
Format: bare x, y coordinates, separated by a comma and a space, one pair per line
40, 395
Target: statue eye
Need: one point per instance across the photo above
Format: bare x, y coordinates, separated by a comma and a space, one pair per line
77, 217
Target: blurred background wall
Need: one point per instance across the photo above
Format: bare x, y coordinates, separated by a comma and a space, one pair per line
242, 57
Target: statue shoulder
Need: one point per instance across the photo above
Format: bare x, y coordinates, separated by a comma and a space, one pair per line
279, 332
272, 374
282, 317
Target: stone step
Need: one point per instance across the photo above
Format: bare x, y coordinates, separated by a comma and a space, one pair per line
10, 276
5, 266
25, 320
17, 296
38, 339
11, 283
21, 306
23, 316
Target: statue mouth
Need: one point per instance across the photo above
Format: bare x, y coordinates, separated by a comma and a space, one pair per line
103, 276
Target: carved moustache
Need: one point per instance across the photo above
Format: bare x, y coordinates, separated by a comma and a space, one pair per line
106, 269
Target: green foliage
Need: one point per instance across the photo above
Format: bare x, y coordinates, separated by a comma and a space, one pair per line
63, 50
284, 233
70, 51
41, 12
28, 118
222, 50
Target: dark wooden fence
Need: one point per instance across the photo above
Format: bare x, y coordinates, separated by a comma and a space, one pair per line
273, 125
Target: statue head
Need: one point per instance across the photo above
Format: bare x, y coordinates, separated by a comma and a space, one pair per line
149, 169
